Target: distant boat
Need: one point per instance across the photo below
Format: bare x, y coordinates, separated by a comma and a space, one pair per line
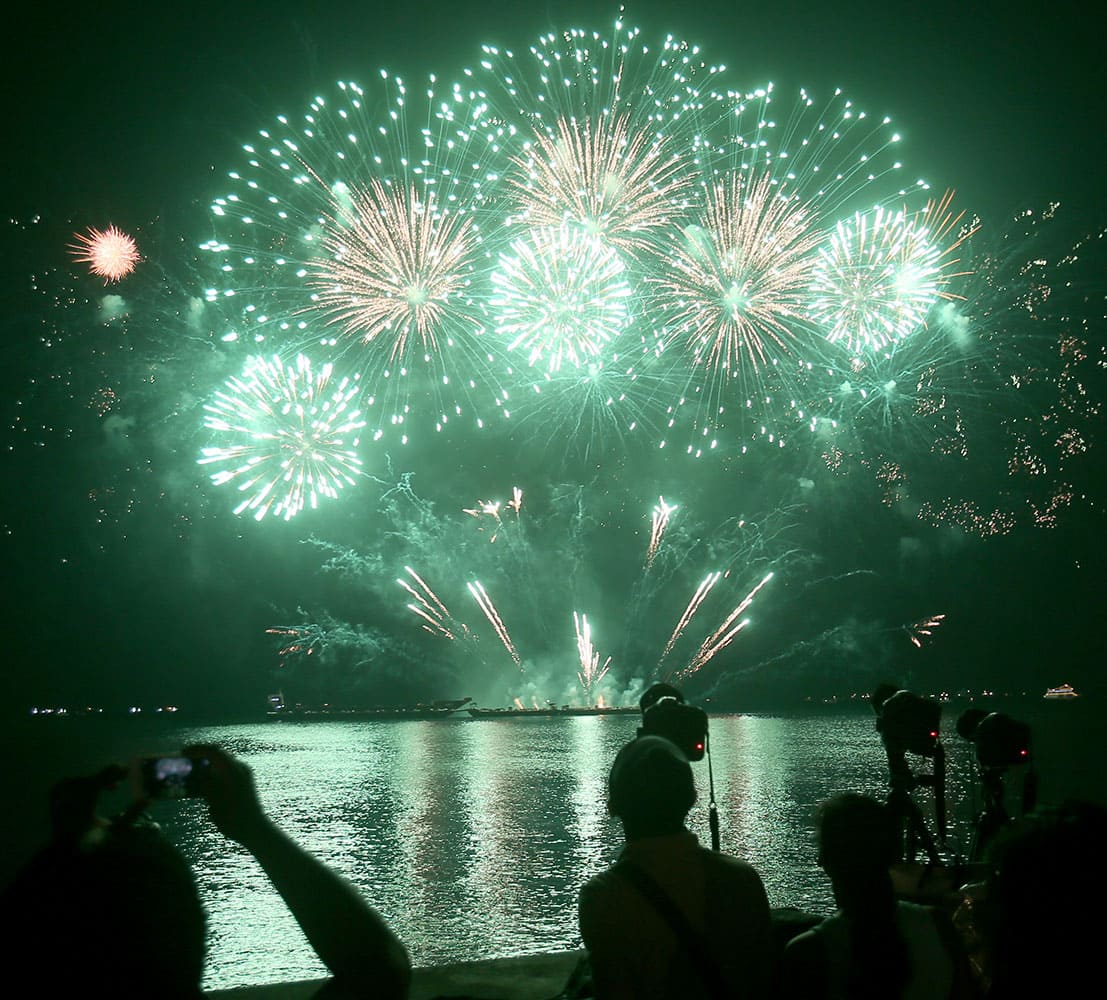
1064, 691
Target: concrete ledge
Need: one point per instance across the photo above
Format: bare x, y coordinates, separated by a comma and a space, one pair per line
527, 977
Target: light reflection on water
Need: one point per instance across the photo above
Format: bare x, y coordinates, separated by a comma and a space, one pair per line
473, 837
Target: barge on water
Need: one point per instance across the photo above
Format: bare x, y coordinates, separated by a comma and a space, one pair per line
549, 711
277, 709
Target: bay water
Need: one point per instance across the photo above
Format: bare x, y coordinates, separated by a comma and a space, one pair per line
473, 837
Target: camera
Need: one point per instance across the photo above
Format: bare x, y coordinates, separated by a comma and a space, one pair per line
906, 722
171, 777
684, 725
1000, 741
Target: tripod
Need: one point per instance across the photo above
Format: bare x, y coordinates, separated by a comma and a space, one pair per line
995, 816
911, 826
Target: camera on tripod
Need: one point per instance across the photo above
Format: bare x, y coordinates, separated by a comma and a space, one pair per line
684, 725
910, 724
665, 714
906, 722
1000, 741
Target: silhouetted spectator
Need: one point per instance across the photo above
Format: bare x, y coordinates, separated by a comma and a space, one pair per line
670, 918
112, 909
874, 946
1044, 901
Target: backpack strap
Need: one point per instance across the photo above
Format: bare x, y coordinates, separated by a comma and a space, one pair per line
687, 937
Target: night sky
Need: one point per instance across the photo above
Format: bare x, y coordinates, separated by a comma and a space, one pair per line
131, 582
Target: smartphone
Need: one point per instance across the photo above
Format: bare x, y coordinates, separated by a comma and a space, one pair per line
171, 777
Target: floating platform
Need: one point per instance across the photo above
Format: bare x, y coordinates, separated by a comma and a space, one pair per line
552, 711
435, 710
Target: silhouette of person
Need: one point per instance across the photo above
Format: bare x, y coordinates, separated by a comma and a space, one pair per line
670, 918
875, 945
1043, 933
112, 907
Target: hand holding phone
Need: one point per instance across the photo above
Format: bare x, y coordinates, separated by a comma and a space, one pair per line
228, 788
170, 777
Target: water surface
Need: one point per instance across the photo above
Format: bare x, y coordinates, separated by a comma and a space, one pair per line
474, 837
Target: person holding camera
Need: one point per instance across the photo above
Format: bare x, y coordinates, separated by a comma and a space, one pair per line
113, 906
670, 918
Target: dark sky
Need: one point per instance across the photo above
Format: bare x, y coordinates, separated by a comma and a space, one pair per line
131, 113
130, 105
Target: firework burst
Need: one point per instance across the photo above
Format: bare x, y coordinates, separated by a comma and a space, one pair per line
560, 297
731, 297
358, 236
736, 286
831, 154
592, 411
110, 253
881, 273
620, 186
292, 436
395, 273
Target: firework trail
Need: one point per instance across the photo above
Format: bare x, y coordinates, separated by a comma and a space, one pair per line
298, 640
292, 436
693, 606
659, 521
491, 509
923, 631
110, 253
590, 673
480, 595
428, 606
722, 636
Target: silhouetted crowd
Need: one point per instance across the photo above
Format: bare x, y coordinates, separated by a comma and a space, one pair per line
110, 908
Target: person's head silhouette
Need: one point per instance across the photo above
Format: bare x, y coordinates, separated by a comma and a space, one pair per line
651, 788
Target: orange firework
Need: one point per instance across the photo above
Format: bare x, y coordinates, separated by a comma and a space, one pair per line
111, 254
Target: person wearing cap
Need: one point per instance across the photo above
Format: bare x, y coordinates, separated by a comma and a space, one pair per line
671, 918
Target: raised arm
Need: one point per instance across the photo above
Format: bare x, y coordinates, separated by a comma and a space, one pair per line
350, 937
